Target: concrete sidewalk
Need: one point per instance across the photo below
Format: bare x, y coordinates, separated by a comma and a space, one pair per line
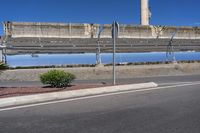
39, 98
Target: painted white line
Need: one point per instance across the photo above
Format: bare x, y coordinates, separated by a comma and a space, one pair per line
177, 83
97, 96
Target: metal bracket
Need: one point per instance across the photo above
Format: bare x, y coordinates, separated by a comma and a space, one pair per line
98, 52
170, 55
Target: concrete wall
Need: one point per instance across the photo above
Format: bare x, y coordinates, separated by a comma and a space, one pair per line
71, 30
48, 30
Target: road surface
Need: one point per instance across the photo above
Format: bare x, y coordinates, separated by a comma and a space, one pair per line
161, 80
173, 107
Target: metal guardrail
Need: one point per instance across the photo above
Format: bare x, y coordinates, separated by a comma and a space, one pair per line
90, 45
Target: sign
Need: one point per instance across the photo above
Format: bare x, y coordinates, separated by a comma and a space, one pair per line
115, 29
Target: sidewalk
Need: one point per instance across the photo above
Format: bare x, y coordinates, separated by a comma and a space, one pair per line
39, 98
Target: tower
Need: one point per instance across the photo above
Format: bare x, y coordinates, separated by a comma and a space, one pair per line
145, 14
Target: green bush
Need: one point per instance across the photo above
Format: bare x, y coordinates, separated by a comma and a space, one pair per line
3, 66
57, 78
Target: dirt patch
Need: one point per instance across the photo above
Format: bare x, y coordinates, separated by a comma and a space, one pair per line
87, 73
20, 91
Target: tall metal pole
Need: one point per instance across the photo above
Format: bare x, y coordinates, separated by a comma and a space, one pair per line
114, 50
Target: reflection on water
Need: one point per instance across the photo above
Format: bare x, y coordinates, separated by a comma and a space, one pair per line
90, 58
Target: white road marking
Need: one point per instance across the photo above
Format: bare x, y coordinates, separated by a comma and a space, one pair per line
101, 95
176, 83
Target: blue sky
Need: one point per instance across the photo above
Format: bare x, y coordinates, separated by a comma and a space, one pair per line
164, 12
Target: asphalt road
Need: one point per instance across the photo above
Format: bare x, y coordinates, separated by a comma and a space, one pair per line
169, 109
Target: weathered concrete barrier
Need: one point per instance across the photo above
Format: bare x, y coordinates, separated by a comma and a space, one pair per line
72, 30
23, 37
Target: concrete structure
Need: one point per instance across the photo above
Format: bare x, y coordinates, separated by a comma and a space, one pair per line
69, 30
48, 30
33, 99
79, 38
144, 12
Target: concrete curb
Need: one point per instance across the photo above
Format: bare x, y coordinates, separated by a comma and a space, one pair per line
37, 98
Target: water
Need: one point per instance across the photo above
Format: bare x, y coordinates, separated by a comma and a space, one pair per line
90, 58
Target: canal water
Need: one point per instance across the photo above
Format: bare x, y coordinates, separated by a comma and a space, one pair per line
90, 58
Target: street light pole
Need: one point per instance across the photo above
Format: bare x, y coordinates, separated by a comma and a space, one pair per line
114, 50
115, 32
